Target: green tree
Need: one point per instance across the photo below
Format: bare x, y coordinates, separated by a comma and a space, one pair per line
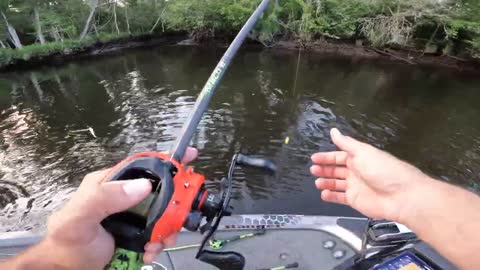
448, 26
7, 10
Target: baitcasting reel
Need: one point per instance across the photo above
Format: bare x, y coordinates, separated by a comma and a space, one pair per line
178, 199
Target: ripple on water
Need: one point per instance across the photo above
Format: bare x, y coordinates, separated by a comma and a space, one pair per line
11, 191
34, 180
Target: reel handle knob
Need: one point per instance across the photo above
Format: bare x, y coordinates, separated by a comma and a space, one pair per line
223, 260
257, 162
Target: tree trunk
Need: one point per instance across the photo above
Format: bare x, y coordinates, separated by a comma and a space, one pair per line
54, 34
62, 37
61, 87
60, 34
36, 85
93, 6
95, 29
87, 24
115, 16
127, 20
12, 33
14, 93
38, 25
14, 37
156, 23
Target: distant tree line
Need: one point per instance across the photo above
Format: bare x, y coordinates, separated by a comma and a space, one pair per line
41, 21
436, 26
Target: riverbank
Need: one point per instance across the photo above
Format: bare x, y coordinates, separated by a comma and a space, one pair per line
400, 55
29, 58
55, 54
433, 32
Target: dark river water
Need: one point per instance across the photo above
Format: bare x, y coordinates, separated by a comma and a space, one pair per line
138, 101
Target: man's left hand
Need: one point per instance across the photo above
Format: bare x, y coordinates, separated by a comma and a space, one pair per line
75, 235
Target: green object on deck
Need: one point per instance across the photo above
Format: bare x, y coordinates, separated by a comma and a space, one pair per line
125, 260
220, 243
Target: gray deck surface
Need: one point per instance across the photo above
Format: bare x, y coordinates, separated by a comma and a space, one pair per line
13, 243
288, 239
275, 248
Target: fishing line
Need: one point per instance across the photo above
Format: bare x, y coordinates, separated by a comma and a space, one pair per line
294, 89
296, 71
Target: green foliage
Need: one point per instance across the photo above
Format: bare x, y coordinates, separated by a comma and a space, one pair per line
343, 17
37, 51
68, 16
381, 22
141, 17
268, 28
462, 28
301, 18
452, 26
198, 16
235, 14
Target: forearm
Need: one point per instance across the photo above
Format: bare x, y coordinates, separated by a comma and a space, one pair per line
448, 218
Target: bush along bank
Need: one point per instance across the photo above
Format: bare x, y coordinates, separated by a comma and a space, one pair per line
59, 52
403, 30
33, 30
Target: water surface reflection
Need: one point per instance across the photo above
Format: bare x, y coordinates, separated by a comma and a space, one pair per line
139, 100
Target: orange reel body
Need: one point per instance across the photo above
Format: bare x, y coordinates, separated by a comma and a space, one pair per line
187, 185
177, 191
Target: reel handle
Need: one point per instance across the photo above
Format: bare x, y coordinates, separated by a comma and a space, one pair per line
223, 260
256, 162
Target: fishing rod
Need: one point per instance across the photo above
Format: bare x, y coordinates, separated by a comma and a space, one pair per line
179, 198
208, 90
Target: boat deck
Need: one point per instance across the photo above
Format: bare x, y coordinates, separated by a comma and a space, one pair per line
314, 242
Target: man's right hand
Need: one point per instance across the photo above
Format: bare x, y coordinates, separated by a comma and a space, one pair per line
369, 180
383, 187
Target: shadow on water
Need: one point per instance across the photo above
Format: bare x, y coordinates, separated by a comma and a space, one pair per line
140, 100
